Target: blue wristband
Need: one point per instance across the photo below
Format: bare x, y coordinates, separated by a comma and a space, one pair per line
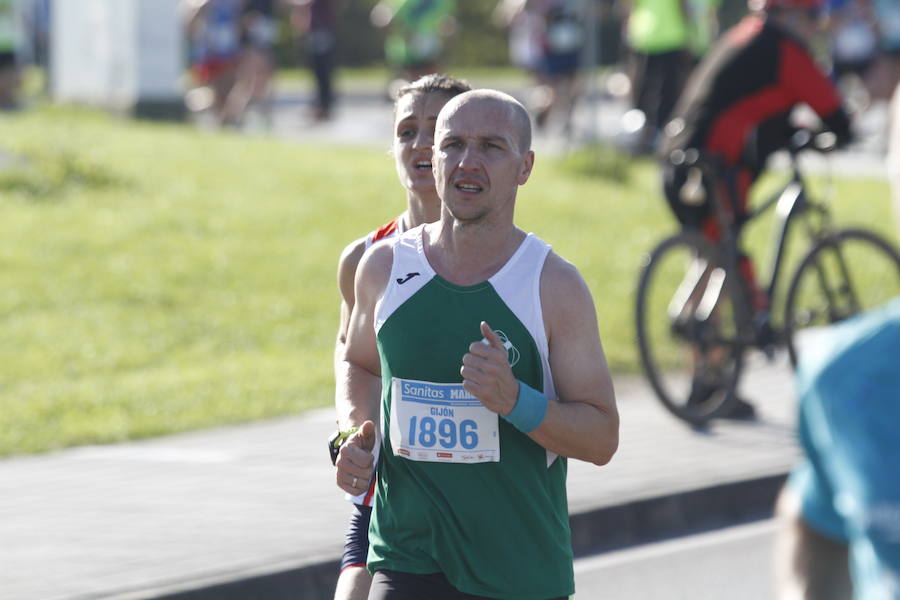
529, 411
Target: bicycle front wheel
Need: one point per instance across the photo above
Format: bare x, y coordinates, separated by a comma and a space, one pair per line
688, 328
845, 273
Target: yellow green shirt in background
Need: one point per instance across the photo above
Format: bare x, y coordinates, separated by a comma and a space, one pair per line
415, 36
656, 26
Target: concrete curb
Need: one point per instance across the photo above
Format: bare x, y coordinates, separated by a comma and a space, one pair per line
593, 531
673, 515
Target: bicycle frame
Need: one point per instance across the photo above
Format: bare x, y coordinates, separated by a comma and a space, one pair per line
693, 354
699, 291
790, 201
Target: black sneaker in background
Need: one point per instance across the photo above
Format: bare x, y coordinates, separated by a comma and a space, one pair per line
741, 411
701, 391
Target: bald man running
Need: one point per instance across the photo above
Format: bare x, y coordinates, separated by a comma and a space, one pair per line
486, 345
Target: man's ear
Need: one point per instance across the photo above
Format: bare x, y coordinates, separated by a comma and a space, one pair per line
526, 166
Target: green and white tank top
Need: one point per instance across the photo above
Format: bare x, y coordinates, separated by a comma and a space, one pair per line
460, 490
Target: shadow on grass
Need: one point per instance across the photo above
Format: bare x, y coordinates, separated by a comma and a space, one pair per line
46, 175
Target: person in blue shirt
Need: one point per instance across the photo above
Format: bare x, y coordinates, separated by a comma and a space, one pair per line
839, 514
853, 36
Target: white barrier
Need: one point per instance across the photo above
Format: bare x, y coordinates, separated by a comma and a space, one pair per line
126, 55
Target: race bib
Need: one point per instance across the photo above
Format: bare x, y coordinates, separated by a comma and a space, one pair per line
441, 422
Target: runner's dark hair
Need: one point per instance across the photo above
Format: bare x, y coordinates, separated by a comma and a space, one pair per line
435, 82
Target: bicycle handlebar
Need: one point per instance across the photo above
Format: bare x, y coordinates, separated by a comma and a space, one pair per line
802, 139
806, 139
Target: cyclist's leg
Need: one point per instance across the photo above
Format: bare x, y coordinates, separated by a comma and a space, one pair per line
674, 179
694, 285
743, 181
691, 289
735, 213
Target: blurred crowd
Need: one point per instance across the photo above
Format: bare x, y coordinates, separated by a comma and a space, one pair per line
231, 47
666, 39
231, 56
651, 47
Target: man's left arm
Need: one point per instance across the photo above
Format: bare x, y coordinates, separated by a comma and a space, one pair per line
584, 423
806, 82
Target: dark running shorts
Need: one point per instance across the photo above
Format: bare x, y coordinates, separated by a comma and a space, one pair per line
356, 543
557, 65
394, 585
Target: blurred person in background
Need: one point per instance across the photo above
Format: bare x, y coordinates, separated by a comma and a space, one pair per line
255, 64
415, 115
316, 20
703, 28
10, 72
546, 38
416, 32
736, 111
562, 44
214, 33
853, 43
39, 25
866, 42
34, 43
656, 32
838, 515
887, 16
524, 25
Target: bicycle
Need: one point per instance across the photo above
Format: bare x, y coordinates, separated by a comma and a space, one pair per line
694, 313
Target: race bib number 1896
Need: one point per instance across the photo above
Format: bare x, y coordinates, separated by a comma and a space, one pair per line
441, 422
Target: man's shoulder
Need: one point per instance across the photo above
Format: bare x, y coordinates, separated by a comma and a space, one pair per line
379, 257
353, 251
351, 254
560, 271
562, 285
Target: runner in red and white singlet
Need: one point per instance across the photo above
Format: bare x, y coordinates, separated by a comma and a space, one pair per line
415, 116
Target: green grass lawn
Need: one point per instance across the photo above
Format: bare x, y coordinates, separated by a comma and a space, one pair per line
156, 278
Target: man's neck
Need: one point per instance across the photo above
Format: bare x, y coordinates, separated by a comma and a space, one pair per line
470, 253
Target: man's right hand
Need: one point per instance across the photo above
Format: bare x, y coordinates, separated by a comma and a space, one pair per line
355, 461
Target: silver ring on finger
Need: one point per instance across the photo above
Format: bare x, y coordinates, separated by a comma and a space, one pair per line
355, 481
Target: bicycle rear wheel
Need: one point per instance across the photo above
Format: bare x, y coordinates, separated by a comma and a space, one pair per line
847, 272
688, 328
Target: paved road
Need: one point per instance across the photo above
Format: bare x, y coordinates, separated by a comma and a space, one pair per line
151, 518
734, 563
